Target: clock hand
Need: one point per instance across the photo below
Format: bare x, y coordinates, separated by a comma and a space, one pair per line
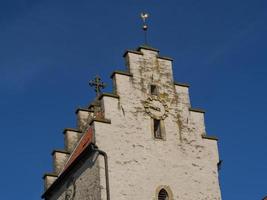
154, 108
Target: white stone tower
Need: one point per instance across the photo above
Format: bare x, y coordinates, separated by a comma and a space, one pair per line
156, 143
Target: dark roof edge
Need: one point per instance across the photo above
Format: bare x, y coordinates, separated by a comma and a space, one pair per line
50, 174
132, 51
165, 58
210, 137
147, 48
108, 95
138, 51
107, 121
83, 109
71, 129
121, 73
60, 151
197, 110
181, 84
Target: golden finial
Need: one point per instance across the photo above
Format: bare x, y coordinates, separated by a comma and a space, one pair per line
144, 17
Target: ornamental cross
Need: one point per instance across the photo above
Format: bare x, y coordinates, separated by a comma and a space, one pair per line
97, 84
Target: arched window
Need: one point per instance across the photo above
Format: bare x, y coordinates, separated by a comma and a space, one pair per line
163, 195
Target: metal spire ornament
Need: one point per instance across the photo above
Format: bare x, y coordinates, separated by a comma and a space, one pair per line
144, 17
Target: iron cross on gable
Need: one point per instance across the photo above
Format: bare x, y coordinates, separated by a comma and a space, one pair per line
97, 84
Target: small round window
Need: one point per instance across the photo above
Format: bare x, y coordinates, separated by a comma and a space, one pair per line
163, 195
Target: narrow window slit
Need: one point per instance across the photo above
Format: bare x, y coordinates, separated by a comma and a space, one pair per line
153, 90
157, 129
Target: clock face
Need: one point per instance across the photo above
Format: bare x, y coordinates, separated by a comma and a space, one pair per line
156, 107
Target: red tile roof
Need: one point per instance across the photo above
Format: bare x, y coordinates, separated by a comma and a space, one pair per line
85, 141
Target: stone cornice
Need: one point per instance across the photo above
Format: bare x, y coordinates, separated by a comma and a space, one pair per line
71, 129
165, 58
60, 151
197, 110
209, 137
181, 84
83, 109
108, 95
138, 51
132, 51
147, 48
50, 174
121, 73
107, 121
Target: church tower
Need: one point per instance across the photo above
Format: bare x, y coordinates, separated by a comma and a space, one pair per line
143, 141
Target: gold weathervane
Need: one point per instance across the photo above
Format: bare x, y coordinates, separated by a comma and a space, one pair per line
144, 17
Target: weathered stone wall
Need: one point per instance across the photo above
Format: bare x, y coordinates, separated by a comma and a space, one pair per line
184, 162
83, 184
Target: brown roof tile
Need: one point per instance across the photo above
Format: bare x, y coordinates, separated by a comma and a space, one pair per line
84, 142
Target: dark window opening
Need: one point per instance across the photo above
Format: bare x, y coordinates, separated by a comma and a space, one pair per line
157, 129
163, 195
153, 90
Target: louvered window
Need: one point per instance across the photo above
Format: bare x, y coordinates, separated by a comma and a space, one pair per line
163, 195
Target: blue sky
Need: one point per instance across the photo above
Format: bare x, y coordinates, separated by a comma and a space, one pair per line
49, 50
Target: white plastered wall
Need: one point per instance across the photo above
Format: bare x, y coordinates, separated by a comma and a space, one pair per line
138, 164
185, 162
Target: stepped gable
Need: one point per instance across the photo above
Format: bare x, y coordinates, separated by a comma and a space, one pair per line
145, 67
82, 148
82, 145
